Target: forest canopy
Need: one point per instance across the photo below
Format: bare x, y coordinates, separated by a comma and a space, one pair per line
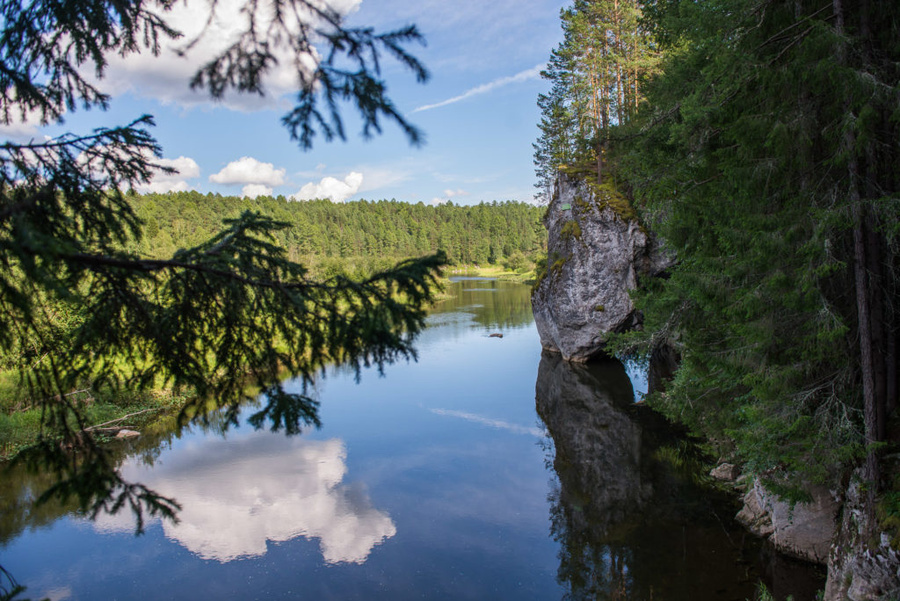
482, 234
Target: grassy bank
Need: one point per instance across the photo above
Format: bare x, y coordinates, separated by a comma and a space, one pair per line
492, 271
20, 416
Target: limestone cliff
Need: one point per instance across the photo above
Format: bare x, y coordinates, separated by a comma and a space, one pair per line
595, 252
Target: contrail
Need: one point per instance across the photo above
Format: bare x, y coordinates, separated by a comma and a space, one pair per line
487, 87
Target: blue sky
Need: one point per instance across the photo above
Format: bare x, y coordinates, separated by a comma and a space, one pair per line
478, 112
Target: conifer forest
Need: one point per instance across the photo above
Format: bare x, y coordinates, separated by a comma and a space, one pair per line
760, 141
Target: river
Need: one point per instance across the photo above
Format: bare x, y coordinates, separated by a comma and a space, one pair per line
484, 470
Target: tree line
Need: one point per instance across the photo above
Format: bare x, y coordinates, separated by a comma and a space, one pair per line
367, 231
761, 146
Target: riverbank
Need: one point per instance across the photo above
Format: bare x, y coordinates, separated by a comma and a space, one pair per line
492, 271
106, 411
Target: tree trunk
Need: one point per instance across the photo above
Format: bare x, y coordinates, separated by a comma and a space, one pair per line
863, 291
864, 322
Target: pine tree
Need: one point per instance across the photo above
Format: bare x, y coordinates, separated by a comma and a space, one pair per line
596, 74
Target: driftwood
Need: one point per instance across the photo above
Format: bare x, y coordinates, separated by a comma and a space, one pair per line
118, 419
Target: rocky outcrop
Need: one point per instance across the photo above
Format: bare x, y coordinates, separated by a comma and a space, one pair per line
829, 530
594, 257
725, 472
861, 568
804, 530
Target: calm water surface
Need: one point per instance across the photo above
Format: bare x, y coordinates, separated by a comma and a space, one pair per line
482, 471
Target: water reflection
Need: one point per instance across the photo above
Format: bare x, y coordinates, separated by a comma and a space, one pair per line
488, 421
493, 304
240, 495
631, 518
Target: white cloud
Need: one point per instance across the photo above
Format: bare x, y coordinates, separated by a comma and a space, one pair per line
237, 494
24, 128
248, 170
532, 73
20, 129
186, 167
376, 178
166, 77
330, 187
254, 190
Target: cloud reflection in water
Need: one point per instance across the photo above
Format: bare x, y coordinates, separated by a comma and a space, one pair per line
238, 494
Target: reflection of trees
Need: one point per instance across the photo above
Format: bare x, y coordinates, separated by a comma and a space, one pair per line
631, 520
493, 304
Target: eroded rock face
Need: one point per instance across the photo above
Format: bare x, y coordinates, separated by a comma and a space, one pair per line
594, 257
860, 568
804, 531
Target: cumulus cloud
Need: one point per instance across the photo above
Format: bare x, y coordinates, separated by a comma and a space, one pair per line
247, 170
532, 73
101, 164
238, 494
332, 188
166, 77
254, 190
186, 168
24, 125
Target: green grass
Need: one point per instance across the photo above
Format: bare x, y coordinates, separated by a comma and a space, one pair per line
20, 420
493, 271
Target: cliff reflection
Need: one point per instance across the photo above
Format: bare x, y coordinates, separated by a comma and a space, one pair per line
631, 522
239, 495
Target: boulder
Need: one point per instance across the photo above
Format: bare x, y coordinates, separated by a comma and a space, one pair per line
594, 256
805, 530
125, 433
726, 472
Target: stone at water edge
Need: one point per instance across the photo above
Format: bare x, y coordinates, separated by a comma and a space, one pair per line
805, 530
594, 256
